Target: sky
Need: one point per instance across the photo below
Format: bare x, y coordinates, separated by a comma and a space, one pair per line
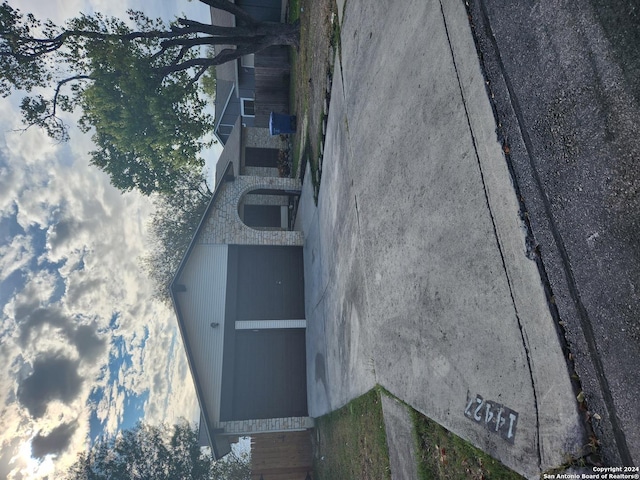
86, 350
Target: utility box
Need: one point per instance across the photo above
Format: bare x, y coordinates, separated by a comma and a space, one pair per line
281, 123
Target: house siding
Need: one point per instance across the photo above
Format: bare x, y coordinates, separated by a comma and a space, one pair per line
232, 112
203, 302
261, 10
246, 81
265, 10
246, 89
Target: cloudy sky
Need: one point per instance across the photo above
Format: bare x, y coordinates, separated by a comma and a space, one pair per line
85, 350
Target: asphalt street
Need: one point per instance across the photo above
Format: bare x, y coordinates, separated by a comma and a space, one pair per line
563, 78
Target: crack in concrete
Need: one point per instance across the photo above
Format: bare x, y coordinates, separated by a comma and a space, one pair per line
495, 231
355, 199
583, 316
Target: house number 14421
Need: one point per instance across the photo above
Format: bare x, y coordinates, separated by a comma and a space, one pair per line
495, 417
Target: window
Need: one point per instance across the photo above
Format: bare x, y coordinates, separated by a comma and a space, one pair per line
224, 129
248, 107
247, 61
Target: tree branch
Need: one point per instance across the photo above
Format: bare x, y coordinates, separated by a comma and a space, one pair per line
196, 62
29, 48
286, 35
195, 42
180, 56
61, 83
197, 76
224, 56
191, 26
35, 111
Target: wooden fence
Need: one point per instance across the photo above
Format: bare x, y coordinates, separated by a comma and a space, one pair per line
281, 456
272, 74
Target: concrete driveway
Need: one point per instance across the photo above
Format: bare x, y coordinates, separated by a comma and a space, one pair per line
417, 272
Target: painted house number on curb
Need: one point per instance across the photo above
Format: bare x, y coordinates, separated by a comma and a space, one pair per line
495, 417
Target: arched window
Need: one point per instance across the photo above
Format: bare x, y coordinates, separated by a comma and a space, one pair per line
266, 209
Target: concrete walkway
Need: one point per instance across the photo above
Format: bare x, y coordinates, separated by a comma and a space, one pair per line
416, 265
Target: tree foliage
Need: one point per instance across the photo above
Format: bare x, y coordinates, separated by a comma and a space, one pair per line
209, 78
155, 453
171, 228
234, 466
137, 83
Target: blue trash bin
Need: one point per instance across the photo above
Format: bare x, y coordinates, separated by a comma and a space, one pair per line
281, 123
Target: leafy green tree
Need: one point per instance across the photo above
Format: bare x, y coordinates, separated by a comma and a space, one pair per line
171, 228
145, 452
156, 453
138, 84
209, 78
233, 467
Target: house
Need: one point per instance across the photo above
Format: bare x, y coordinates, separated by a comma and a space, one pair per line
239, 298
255, 85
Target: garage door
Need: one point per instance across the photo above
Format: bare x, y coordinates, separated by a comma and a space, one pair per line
270, 379
270, 283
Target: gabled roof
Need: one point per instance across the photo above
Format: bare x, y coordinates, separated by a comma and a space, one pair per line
224, 90
227, 73
231, 152
226, 168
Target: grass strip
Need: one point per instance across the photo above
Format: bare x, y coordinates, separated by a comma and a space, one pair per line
443, 455
352, 442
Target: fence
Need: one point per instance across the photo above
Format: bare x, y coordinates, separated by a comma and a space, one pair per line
281, 456
272, 73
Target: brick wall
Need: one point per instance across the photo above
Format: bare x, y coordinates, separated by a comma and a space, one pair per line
260, 138
260, 171
251, 199
223, 224
247, 427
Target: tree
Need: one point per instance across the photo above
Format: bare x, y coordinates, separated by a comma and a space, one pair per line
209, 78
171, 228
137, 83
234, 466
158, 453
145, 452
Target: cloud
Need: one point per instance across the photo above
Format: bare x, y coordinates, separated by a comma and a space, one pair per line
15, 255
54, 377
54, 443
7, 453
91, 347
76, 243
32, 320
61, 233
8, 178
